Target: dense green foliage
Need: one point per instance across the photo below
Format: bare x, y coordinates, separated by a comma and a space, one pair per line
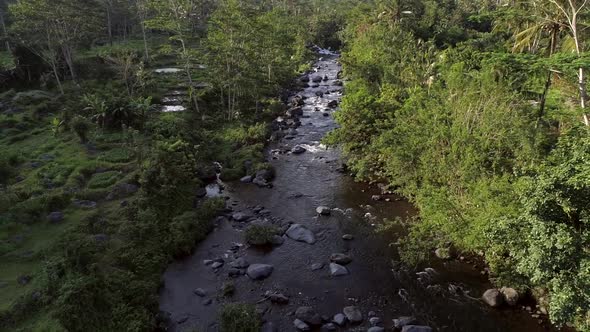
99, 188
493, 152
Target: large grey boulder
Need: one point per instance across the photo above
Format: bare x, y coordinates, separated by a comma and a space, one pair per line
300, 325
403, 321
308, 315
340, 258
298, 149
240, 263
511, 295
339, 319
323, 210
337, 270
353, 314
376, 329
493, 298
259, 271
299, 233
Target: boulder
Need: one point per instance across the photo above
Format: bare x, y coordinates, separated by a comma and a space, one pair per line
316, 79
308, 315
339, 319
416, 328
259, 271
333, 104
443, 253
300, 325
240, 263
267, 174
511, 295
403, 321
278, 298
200, 292
294, 112
298, 149
304, 79
353, 314
328, 327
376, 329
493, 297
247, 179
337, 270
374, 321
55, 217
240, 216
201, 192
299, 233
340, 258
323, 210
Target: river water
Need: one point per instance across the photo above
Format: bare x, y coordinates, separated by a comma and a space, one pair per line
375, 283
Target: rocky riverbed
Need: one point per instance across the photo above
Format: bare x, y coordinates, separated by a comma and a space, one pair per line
326, 268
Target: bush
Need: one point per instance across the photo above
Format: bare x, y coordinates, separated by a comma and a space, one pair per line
239, 317
81, 126
260, 234
104, 180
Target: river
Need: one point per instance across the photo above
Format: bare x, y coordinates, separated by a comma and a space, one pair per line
375, 281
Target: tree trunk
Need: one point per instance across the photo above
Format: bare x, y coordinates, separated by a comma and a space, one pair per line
67, 53
552, 46
4, 31
109, 25
581, 74
145, 45
56, 74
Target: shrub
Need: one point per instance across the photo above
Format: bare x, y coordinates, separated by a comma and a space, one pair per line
104, 180
239, 317
81, 126
260, 234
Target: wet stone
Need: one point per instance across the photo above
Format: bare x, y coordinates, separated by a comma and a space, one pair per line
308, 315
374, 321
200, 292
337, 270
278, 298
298, 149
217, 265
340, 258
376, 329
347, 237
259, 271
339, 319
323, 210
240, 263
403, 321
329, 327
299, 233
353, 314
207, 302
300, 325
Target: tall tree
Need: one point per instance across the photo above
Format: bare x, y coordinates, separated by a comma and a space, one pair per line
54, 29
175, 17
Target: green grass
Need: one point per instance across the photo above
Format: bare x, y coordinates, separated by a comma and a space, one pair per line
6, 60
60, 162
